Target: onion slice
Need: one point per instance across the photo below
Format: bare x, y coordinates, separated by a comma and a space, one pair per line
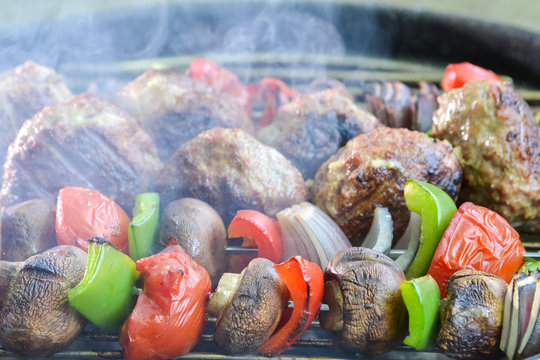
380, 234
308, 232
415, 225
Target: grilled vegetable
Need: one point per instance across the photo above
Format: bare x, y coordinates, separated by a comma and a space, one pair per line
27, 229
248, 306
360, 278
472, 316
170, 314
379, 237
143, 229
258, 230
477, 238
521, 329
198, 229
308, 232
422, 297
271, 93
436, 209
305, 283
457, 75
105, 296
85, 213
35, 316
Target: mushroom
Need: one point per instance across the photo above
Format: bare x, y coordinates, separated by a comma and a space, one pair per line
35, 316
199, 230
27, 229
366, 310
472, 315
248, 306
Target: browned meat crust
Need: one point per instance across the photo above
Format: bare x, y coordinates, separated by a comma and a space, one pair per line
231, 170
313, 127
23, 92
83, 142
495, 137
174, 108
371, 170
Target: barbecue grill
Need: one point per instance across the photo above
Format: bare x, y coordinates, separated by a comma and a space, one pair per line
362, 43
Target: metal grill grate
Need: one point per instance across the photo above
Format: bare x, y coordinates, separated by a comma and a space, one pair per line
297, 70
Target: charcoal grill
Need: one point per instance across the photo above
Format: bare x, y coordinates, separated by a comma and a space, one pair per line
377, 43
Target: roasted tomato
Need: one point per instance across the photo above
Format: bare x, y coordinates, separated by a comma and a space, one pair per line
84, 213
170, 315
478, 239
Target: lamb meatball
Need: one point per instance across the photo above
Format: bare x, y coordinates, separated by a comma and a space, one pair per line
23, 92
231, 170
496, 139
82, 142
173, 108
313, 127
371, 170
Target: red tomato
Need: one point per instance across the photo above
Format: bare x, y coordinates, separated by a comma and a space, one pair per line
84, 213
477, 238
272, 93
170, 315
257, 229
456, 75
305, 282
219, 78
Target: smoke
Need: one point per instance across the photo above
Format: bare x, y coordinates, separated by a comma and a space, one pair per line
81, 35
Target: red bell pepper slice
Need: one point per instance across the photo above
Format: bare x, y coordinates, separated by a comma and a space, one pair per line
271, 93
221, 79
305, 282
257, 229
477, 238
456, 75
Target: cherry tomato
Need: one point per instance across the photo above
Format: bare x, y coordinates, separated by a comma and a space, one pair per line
272, 93
170, 315
219, 78
456, 75
259, 230
83, 213
477, 238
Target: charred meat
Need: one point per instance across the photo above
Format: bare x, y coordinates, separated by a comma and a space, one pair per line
231, 170
496, 139
371, 170
173, 108
82, 142
313, 127
23, 92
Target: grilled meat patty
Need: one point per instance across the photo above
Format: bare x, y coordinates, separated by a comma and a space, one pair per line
23, 92
371, 171
313, 127
82, 142
173, 108
231, 170
495, 137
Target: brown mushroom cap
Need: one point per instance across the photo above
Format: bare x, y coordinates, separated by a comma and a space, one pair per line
364, 287
253, 313
36, 319
471, 322
199, 230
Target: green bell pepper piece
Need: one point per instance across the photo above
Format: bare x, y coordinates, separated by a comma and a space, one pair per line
105, 296
436, 209
422, 298
143, 229
529, 265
